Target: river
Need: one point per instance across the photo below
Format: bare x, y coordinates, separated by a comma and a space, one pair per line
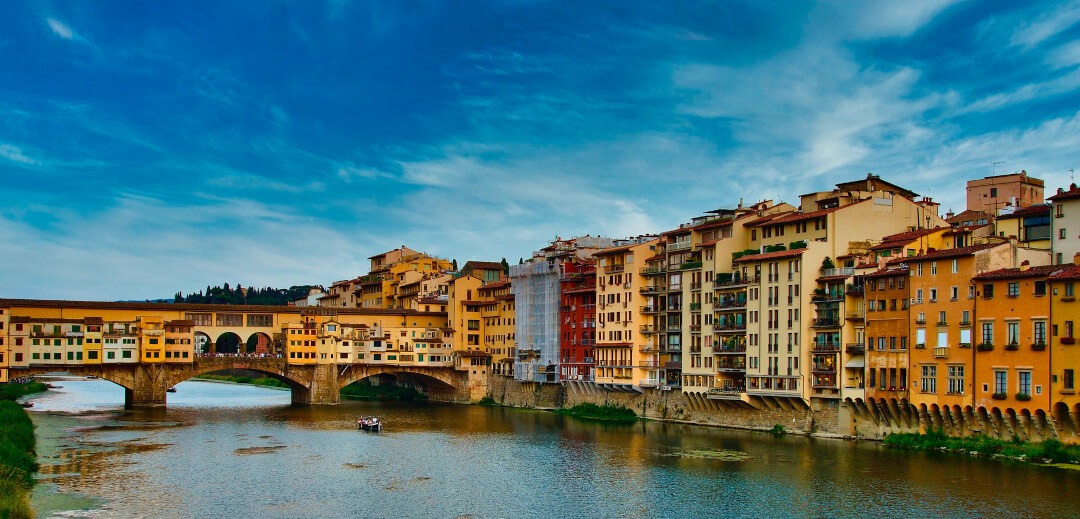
225, 450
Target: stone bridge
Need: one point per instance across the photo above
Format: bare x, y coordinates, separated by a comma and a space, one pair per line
146, 385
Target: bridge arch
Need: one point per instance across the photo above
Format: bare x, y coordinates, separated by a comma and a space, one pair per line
258, 342
202, 342
228, 342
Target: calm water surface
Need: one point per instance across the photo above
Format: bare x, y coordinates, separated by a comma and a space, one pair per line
223, 450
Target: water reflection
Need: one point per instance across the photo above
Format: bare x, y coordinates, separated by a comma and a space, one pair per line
222, 448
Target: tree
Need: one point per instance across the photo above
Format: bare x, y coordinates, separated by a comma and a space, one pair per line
506, 267
453, 265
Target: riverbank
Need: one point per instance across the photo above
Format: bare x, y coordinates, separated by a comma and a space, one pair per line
1047, 452
18, 457
598, 413
253, 381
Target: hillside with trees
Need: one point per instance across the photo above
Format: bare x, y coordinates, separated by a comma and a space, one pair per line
226, 295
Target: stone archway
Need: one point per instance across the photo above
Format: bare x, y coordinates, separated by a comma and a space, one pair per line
202, 342
227, 342
258, 342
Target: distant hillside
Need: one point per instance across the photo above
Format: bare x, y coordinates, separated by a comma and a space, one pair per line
225, 295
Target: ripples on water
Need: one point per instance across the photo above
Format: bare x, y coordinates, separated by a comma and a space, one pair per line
242, 451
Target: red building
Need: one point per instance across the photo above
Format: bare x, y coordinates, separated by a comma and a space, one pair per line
577, 319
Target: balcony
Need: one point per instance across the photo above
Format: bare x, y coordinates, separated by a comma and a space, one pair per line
649, 365
941, 352
695, 307
730, 350
653, 271
823, 369
649, 383
673, 364
650, 309
614, 269
827, 347
727, 393
837, 272
985, 346
856, 314
729, 303
677, 246
730, 328
826, 322
650, 290
854, 290
695, 328
855, 349
648, 329
1012, 346
690, 265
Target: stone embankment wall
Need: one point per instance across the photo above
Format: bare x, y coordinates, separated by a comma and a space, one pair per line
823, 417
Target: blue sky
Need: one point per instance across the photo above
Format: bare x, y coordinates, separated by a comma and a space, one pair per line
154, 147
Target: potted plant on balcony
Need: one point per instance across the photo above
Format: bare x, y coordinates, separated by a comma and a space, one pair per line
999, 396
1038, 346
827, 263
985, 346
1068, 340
1012, 346
1023, 397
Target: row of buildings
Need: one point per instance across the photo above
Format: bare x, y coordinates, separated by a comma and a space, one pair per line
859, 292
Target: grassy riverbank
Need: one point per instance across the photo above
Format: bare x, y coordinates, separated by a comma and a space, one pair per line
255, 381
18, 461
1051, 451
363, 391
605, 413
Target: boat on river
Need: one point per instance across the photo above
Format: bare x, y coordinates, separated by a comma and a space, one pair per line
171, 389
368, 423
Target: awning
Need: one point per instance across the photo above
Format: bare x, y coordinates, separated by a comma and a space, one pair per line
855, 363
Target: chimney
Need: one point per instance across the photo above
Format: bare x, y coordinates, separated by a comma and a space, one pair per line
1025, 266
1076, 258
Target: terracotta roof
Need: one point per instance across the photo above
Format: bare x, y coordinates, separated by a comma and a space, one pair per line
721, 222
765, 219
893, 241
969, 214
888, 270
1072, 193
473, 353
1024, 212
1067, 273
1015, 273
772, 255
49, 303
947, 253
964, 229
495, 284
799, 216
483, 265
709, 243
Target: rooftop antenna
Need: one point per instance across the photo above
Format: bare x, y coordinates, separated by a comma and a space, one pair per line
1071, 175
993, 169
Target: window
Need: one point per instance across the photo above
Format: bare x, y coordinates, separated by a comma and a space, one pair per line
956, 380
1067, 379
1040, 288
933, 295
1024, 381
1000, 382
965, 317
1012, 332
993, 192
1014, 289
929, 379
988, 332
1062, 234
955, 266
942, 319
954, 293
933, 268
1069, 290
988, 291
126, 354
918, 269
1039, 332
918, 295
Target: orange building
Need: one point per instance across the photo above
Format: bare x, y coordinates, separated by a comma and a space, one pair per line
1065, 353
1012, 364
886, 295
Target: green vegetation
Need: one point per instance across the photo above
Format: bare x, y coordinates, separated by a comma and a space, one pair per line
257, 381
487, 401
778, 431
364, 391
18, 461
13, 391
225, 295
604, 413
979, 445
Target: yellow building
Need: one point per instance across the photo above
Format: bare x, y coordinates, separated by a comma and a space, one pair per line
1012, 363
93, 346
179, 341
497, 315
389, 270
1065, 353
622, 333
1030, 226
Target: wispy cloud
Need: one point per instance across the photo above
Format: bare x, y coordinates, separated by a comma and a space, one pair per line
15, 154
60, 29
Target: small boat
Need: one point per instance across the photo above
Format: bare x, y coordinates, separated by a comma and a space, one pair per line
171, 389
54, 386
369, 423
28, 404
91, 377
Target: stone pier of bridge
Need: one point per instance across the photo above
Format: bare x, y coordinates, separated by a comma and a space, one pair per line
146, 385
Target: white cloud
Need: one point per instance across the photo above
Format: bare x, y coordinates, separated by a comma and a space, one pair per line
15, 154
1046, 26
60, 29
